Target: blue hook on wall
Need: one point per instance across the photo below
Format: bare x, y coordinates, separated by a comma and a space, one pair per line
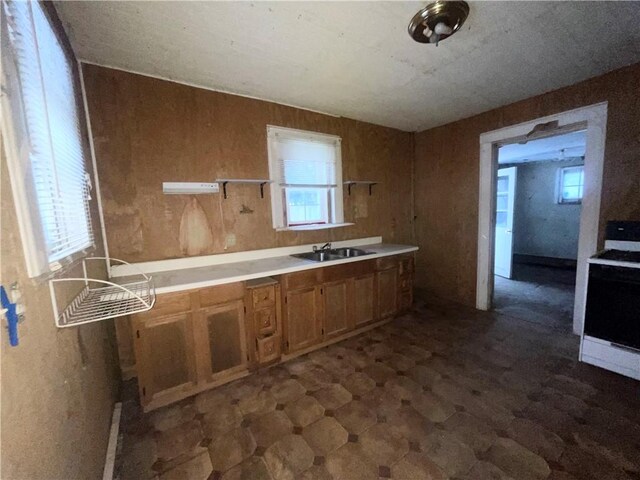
12, 316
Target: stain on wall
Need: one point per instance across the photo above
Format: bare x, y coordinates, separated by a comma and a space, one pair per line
148, 131
58, 385
447, 176
542, 226
195, 232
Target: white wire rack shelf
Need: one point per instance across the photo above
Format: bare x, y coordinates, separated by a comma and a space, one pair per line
108, 300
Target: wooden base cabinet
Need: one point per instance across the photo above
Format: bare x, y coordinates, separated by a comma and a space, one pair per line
303, 318
364, 300
336, 303
387, 292
165, 357
222, 341
203, 345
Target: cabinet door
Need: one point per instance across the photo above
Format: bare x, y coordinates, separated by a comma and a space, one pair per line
364, 299
302, 318
222, 342
387, 292
165, 359
336, 312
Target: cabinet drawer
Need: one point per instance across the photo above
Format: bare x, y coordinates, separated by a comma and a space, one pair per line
263, 297
167, 304
306, 278
221, 294
385, 263
348, 270
268, 348
266, 322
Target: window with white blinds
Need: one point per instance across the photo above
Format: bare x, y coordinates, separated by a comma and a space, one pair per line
52, 149
307, 179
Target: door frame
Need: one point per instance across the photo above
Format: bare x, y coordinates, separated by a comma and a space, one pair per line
593, 118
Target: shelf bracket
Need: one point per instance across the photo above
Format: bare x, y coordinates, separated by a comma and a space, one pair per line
349, 188
371, 188
224, 189
262, 189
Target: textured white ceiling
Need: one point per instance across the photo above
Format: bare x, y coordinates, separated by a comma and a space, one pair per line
559, 147
355, 59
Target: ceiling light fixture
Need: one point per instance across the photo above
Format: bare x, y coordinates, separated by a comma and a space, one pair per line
437, 21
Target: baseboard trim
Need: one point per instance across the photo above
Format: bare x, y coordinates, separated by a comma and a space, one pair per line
554, 262
110, 459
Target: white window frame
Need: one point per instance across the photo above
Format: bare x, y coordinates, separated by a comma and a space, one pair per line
560, 186
17, 152
335, 208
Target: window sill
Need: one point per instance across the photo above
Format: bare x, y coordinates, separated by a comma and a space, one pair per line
303, 228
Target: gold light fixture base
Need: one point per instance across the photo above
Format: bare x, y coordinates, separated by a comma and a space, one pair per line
438, 21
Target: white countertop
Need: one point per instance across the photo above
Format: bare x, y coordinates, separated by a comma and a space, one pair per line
207, 276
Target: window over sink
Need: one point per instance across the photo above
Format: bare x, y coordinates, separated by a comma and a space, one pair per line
306, 173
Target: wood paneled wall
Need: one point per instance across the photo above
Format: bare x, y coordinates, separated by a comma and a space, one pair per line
148, 131
447, 176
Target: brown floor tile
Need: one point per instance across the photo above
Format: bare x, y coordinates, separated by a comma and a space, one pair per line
358, 383
471, 431
270, 427
220, 420
198, 468
172, 415
486, 471
232, 448
350, 462
210, 400
253, 468
450, 454
287, 391
383, 445
288, 457
355, 417
517, 461
423, 375
432, 407
257, 403
332, 396
325, 435
181, 440
537, 439
378, 400
304, 411
417, 466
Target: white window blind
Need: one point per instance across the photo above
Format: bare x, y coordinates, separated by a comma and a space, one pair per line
55, 144
307, 180
571, 184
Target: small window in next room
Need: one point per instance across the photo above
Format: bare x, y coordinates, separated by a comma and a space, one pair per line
571, 184
306, 171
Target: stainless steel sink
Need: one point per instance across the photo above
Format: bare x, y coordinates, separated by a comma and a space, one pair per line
334, 254
319, 256
350, 252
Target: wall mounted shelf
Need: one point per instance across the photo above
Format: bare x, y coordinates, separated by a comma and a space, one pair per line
113, 300
351, 183
225, 181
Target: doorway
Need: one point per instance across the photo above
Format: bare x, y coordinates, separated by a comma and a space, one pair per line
539, 189
592, 119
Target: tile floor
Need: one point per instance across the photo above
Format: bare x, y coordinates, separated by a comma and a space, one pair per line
537, 294
443, 392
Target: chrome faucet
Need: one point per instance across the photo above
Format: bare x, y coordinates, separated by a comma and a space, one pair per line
326, 246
